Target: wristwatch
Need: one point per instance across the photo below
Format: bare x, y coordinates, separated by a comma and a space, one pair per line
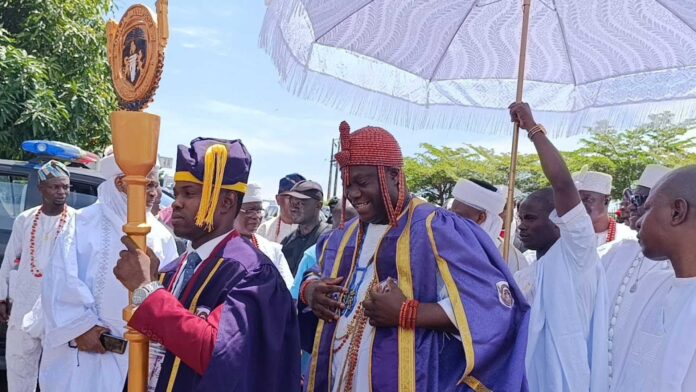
141, 293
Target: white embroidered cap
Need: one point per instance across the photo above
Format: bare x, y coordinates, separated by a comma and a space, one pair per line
593, 181
108, 167
652, 174
473, 194
253, 194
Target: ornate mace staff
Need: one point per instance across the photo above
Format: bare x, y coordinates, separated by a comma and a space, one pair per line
135, 48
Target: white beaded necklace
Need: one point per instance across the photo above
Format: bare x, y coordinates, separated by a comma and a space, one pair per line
637, 262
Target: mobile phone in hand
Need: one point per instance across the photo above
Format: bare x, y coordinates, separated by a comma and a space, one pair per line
113, 343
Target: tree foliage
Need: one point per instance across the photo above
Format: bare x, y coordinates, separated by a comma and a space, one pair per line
433, 172
54, 77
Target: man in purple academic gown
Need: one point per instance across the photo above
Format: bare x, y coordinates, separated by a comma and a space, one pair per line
410, 297
221, 313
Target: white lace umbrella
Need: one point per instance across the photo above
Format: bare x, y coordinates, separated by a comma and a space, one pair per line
453, 63
459, 63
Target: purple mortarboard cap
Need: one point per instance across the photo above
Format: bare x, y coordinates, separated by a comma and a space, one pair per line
203, 160
192, 160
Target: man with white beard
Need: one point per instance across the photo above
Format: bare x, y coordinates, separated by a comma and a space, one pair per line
482, 203
626, 270
81, 297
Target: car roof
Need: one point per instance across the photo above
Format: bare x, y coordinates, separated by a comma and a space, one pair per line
29, 166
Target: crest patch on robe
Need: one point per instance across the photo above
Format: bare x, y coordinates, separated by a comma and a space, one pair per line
504, 294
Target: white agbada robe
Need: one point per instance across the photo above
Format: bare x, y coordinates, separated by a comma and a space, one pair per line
567, 344
623, 232
80, 291
274, 251
661, 352
19, 285
632, 279
271, 231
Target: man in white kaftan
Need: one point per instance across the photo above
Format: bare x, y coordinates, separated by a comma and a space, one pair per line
248, 221
656, 330
632, 279
27, 255
482, 203
567, 346
81, 296
595, 192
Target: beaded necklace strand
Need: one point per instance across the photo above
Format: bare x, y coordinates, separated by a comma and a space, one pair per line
32, 239
618, 301
611, 233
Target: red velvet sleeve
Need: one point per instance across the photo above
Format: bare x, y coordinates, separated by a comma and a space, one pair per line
163, 319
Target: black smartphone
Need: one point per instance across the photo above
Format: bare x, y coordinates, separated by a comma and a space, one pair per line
113, 343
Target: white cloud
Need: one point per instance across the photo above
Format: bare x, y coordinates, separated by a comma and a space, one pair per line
221, 107
196, 37
270, 118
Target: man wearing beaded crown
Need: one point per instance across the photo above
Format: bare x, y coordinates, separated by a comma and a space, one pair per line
595, 193
34, 233
567, 347
81, 298
403, 275
661, 349
221, 311
631, 277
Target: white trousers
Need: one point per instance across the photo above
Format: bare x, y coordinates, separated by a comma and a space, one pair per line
22, 355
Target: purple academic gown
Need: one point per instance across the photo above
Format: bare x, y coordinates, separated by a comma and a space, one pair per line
491, 353
257, 346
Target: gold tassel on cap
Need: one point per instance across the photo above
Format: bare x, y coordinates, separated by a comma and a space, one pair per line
215, 161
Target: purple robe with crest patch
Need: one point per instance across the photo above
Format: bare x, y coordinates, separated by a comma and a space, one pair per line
492, 315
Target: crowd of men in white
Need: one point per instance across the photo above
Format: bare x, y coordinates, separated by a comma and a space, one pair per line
615, 319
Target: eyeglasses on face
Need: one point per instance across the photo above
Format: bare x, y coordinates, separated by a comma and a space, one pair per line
252, 211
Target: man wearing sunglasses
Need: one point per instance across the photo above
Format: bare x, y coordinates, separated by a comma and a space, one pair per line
305, 208
626, 268
660, 347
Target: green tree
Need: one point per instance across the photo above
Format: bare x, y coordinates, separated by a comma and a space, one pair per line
433, 173
624, 155
54, 77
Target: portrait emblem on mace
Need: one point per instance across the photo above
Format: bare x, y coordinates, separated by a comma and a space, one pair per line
136, 54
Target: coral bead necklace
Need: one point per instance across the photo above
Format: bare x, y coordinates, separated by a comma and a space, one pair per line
32, 239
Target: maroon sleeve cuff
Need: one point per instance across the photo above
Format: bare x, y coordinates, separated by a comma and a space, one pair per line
163, 319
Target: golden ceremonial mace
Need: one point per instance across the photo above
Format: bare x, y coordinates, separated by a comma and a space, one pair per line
135, 49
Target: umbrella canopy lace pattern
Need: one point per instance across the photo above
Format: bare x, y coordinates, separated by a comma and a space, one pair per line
453, 63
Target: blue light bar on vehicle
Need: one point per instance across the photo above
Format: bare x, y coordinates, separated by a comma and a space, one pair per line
58, 150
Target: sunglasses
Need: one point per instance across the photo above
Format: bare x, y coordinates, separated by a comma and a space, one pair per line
636, 199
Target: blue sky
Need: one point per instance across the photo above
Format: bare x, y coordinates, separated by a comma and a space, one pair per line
217, 82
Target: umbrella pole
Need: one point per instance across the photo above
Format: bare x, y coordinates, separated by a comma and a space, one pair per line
516, 132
